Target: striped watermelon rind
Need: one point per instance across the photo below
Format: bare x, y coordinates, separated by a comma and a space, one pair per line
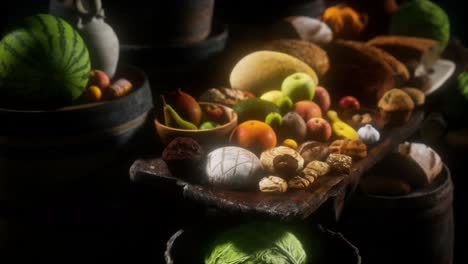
43, 60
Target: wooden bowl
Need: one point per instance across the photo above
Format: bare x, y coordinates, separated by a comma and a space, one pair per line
206, 137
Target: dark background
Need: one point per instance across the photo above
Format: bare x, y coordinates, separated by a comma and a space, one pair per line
12, 10
112, 218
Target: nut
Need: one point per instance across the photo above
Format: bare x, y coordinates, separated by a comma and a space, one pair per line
298, 182
273, 184
282, 161
339, 163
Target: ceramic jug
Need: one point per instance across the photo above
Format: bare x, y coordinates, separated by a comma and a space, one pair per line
101, 39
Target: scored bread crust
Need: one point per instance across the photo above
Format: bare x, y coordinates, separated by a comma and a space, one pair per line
411, 51
311, 54
378, 56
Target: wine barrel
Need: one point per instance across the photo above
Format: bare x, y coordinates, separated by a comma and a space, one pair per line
266, 11
43, 151
188, 66
413, 228
164, 23
326, 246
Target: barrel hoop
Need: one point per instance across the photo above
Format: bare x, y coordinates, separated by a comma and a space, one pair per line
77, 139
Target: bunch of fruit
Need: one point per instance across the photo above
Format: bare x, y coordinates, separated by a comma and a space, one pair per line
299, 112
181, 110
100, 87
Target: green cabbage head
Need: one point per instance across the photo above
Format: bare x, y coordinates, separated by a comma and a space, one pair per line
422, 18
257, 243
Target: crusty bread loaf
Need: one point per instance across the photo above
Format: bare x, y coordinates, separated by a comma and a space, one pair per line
309, 53
360, 70
373, 55
424, 162
412, 51
415, 163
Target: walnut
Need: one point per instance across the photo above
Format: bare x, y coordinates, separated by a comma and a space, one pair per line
340, 163
273, 184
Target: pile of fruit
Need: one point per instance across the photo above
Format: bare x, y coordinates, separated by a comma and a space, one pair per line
44, 63
101, 88
182, 111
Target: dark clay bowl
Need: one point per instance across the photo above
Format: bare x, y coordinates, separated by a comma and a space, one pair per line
322, 245
205, 137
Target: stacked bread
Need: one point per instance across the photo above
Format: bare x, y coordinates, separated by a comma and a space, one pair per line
368, 69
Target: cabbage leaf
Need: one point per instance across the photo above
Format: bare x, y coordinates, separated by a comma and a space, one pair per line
257, 243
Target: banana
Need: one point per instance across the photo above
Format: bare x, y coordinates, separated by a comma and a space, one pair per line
340, 128
167, 118
173, 119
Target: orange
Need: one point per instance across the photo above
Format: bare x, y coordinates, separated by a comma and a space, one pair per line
254, 135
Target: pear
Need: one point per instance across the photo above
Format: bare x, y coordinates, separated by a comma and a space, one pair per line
272, 96
185, 106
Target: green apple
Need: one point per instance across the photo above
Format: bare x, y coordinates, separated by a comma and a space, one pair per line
285, 104
299, 86
272, 96
208, 125
274, 120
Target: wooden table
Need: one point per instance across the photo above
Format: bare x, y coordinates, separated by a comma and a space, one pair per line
294, 204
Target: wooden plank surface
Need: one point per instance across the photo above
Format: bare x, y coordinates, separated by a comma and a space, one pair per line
294, 204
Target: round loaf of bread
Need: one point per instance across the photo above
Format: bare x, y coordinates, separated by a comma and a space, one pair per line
311, 54
233, 168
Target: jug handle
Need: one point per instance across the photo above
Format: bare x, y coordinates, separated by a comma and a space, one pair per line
96, 8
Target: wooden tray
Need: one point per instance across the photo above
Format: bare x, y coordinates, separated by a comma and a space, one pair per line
294, 204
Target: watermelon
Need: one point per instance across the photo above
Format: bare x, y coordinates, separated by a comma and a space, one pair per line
43, 61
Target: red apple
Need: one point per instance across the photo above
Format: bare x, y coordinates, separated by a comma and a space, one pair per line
214, 113
99, 78
322, 98
349, 103
318, 129
307, 109
248, 94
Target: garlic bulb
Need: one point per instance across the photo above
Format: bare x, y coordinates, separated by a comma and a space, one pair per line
368, 134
